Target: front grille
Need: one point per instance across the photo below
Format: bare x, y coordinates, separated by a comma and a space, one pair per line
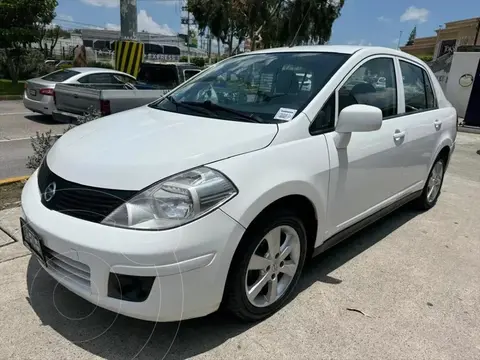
79, 201
69, 269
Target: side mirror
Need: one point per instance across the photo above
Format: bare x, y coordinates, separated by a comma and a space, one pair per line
356, 118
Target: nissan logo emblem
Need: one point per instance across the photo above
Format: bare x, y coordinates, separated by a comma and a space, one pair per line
50, 191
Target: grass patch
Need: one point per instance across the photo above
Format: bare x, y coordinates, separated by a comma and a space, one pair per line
6, 87
10, 195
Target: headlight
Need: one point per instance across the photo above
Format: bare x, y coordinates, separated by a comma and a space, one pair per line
174, 201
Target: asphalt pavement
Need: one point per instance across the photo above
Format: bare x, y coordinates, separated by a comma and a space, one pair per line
405, 288
17, 125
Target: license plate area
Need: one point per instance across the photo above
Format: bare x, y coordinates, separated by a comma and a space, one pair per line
32, 241
33, 92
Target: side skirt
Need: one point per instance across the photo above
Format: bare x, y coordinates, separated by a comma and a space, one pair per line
346, 233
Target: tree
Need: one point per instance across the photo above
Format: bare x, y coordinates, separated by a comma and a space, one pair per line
51, 34
411, 38
20, 23
275, 22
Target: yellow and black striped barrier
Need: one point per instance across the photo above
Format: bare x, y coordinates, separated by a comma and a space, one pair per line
128, 56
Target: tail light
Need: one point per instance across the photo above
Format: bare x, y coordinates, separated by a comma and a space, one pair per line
25, 86
105, 107
48, 92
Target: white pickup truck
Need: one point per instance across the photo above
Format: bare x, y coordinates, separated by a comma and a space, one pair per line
153, 81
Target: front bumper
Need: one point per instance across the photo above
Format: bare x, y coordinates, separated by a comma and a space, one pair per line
190, 264
45, 106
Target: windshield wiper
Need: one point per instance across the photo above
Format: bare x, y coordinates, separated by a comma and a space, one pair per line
212, 106
189, 106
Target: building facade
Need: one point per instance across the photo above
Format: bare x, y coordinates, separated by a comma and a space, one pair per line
448, 39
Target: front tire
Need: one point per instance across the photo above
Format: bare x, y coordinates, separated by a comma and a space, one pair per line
433, 186
266, 266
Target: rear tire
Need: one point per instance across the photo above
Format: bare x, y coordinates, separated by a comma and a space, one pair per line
433, 186
266, 266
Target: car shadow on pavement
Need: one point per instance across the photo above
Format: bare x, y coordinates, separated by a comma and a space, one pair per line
111, 336
41, 119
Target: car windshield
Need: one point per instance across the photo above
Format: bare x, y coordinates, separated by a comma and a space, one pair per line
60, 75
266, 87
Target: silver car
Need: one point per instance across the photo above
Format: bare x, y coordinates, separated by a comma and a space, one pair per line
39, 92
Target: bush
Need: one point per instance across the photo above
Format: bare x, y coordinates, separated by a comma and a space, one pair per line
32, 64
42, 142
183, 59
100, 64
426, 58
198, 61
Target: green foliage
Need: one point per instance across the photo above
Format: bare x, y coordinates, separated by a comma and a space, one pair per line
183, 59
20, 25
42, 142
6, 87
49, 37
271, 22
30, 64
426, 58
411, 38
198, 61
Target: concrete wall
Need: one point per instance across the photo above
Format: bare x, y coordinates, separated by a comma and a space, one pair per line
463, 63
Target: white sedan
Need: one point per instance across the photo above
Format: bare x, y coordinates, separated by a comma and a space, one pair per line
197, 201
39, 92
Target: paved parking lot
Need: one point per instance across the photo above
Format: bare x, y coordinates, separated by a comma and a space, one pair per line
415, 276
17, 125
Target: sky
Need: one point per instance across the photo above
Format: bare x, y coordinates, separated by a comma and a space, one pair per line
362, 22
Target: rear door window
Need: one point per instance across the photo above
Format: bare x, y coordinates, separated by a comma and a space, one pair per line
419, 95
61, 75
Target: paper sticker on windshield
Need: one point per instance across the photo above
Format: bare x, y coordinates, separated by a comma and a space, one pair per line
285, 114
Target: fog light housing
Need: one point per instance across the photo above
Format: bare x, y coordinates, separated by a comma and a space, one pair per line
129, 288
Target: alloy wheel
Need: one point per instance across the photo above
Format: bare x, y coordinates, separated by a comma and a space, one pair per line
272, 266
435, 182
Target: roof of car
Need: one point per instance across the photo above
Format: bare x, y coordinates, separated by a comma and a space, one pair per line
343, 49
92, 69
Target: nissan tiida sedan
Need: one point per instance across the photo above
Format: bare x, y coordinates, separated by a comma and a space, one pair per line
217, 194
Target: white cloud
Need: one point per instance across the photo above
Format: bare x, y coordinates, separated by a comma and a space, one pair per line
105, 3
383, 19
362, 42
146, 23
171, 2
415, 14
110, 26
64, 17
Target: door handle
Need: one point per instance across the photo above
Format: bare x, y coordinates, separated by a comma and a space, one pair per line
399, 135
438, 124
75, 96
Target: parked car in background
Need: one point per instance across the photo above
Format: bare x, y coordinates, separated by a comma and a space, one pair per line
110, 93
211, 196
39, 92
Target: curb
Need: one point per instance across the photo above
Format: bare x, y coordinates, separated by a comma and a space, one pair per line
469, 129
13, 180
11, 97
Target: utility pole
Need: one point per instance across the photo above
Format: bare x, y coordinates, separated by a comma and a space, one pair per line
128, 19
399, 38
476, 34
187, 21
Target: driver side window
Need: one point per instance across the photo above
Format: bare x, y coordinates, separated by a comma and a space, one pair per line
374, 84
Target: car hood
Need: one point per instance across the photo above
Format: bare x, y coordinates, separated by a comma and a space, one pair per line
135, 148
